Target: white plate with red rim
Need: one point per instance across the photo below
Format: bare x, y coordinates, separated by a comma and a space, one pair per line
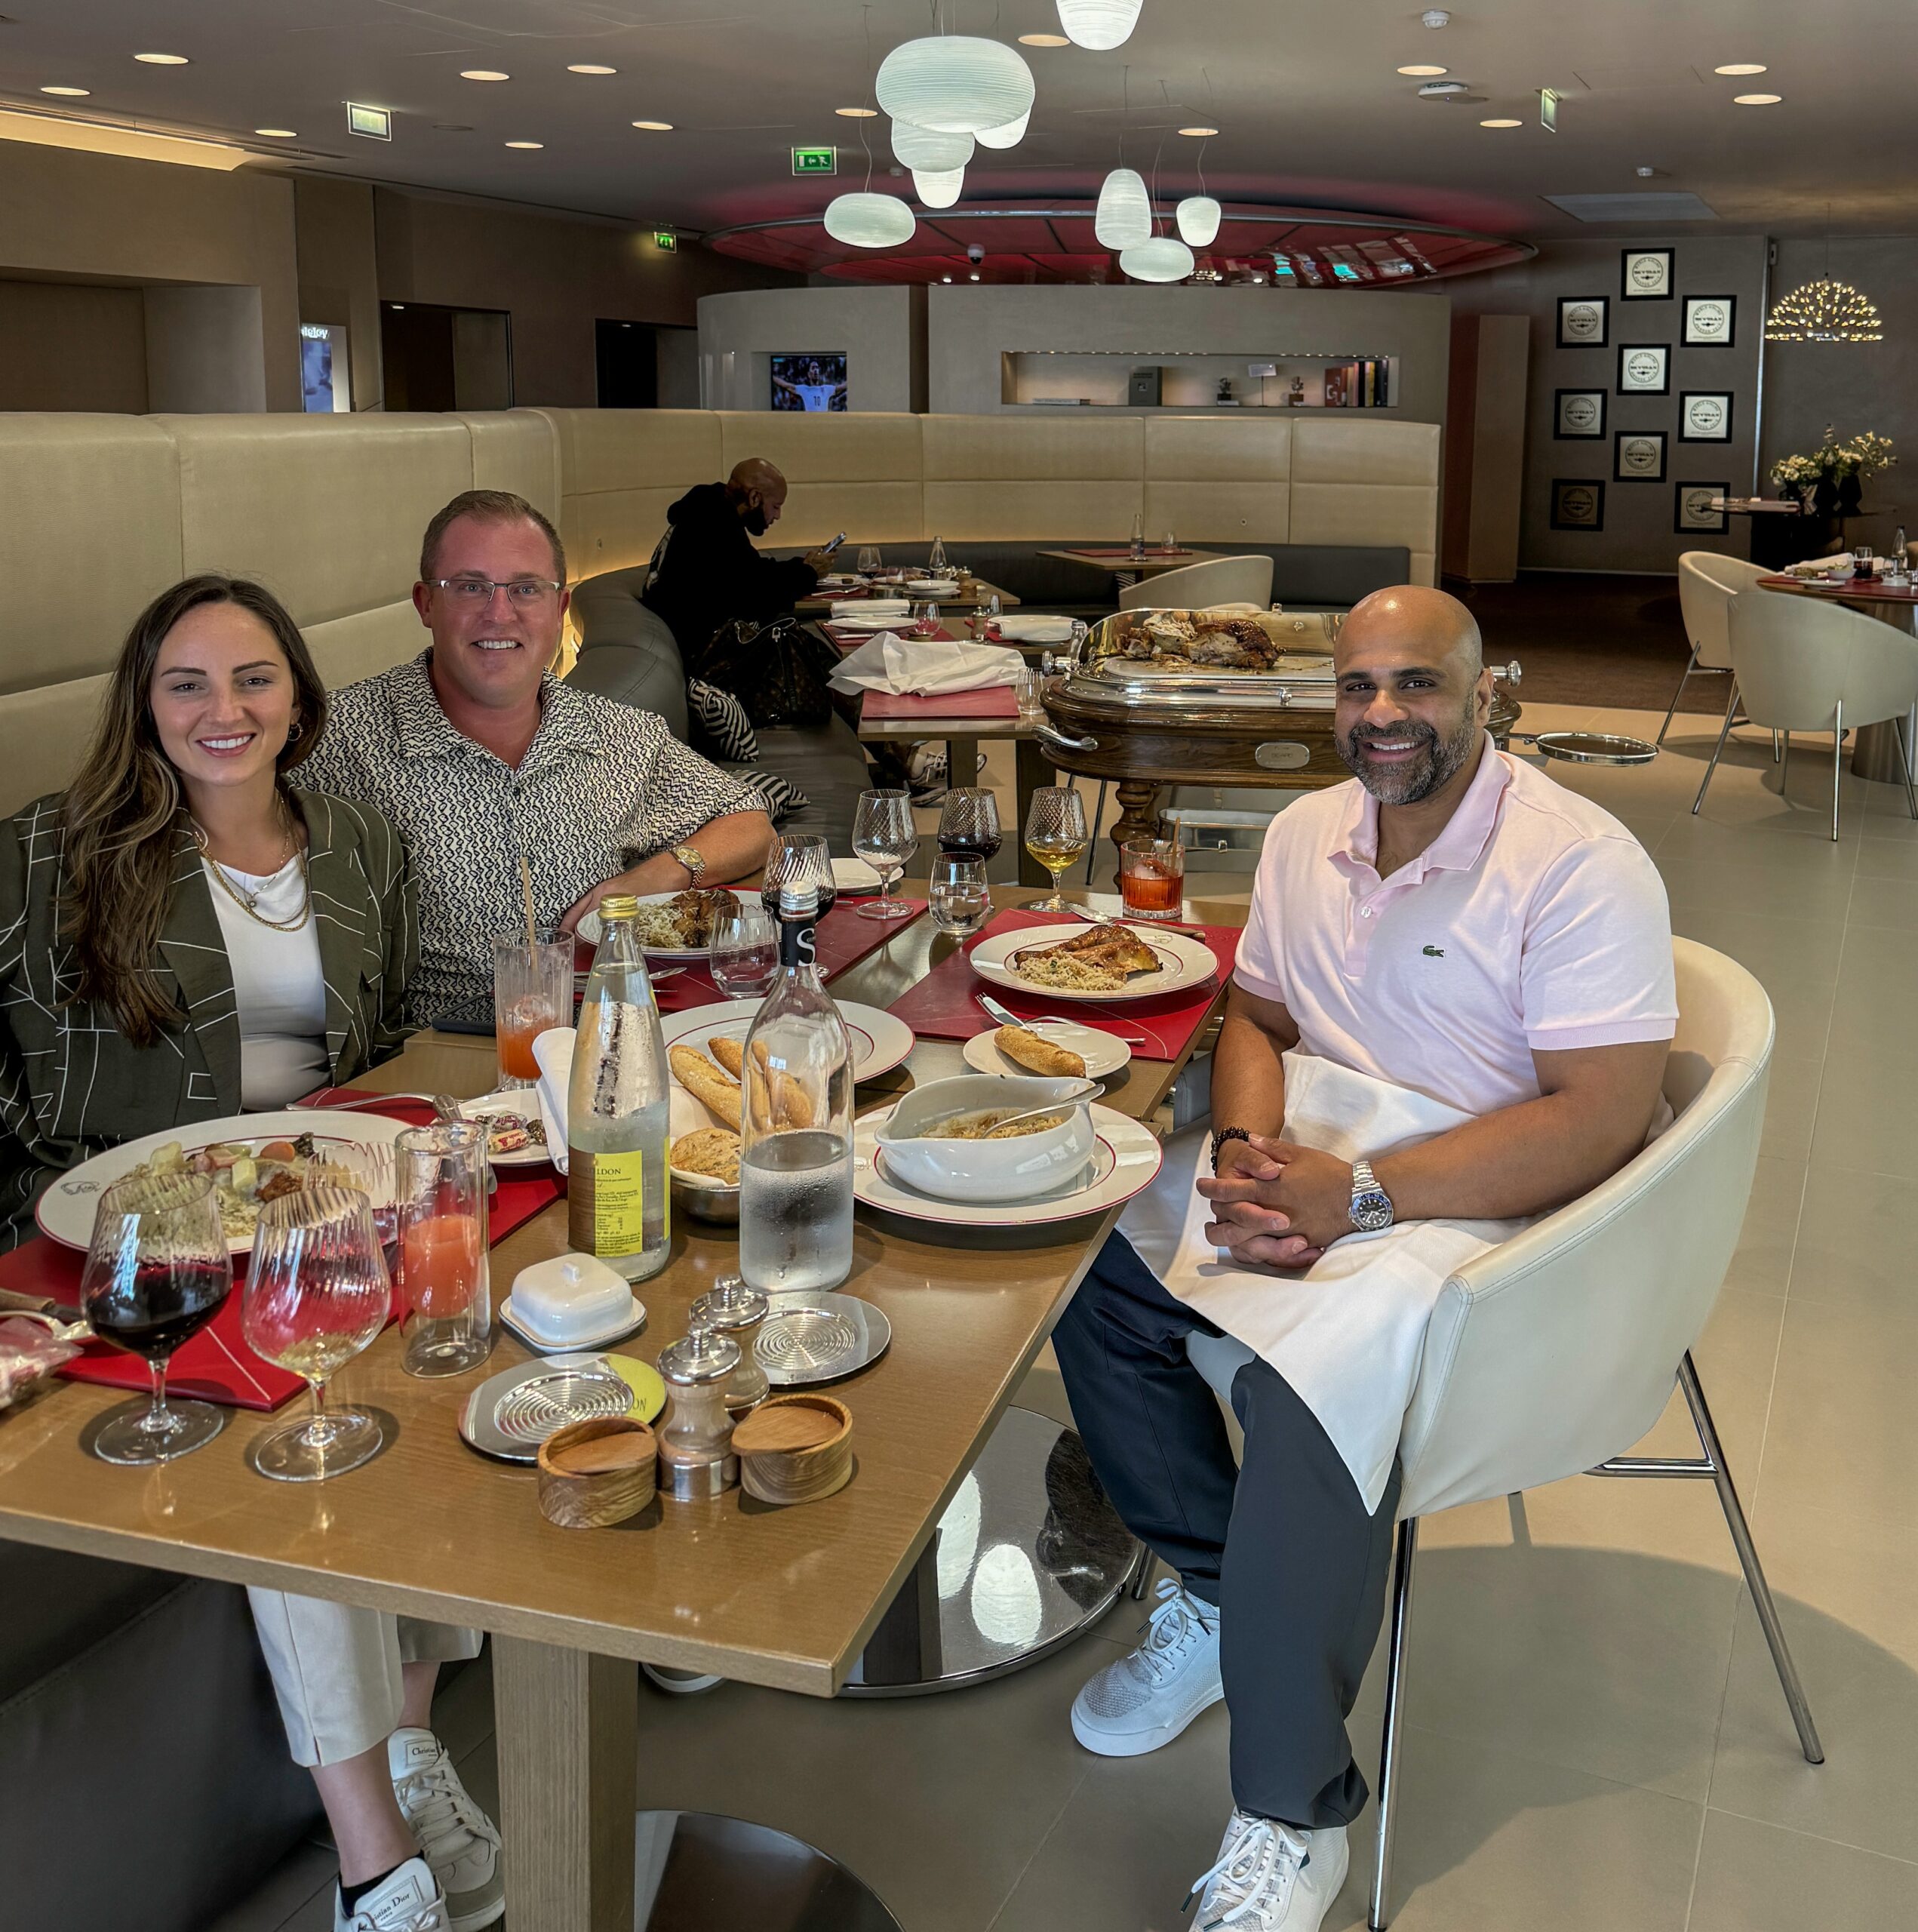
1183, 962
1125, 1156
590, 928
880, 1041
1101, 1052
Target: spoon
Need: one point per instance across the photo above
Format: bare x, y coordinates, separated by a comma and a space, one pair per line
1094, 1088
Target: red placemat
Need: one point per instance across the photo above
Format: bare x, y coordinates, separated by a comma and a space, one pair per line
1124, 553
944, 1006
843, 938
988, 701
216, 1365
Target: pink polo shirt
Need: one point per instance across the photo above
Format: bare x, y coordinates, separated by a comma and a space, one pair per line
1534, 921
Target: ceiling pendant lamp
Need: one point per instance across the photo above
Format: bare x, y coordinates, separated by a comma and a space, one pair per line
1158, 258
870, 220
955, 84
1124, 216
1198, 220
938, 187
917, 147
1098, 24
1009, 136
1824, 311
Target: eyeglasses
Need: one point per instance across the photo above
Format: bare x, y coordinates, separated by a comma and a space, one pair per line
528, 593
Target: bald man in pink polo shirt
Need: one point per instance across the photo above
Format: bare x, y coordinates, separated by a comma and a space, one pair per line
1450, 1013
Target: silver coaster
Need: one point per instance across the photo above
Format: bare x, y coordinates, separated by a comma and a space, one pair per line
1594, 748
816, 1335
510, 1414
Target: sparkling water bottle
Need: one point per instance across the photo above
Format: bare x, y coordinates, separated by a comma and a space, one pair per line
796, 1157
618, 1203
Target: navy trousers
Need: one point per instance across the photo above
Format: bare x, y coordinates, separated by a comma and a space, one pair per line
1281, 1543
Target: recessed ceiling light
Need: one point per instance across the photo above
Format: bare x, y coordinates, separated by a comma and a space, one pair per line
655, 127
1198, 134
277, 133
69, 94
857, 113
526, 144
946, 278
1423, 70
1758, 100
1502, 123
973, 276
483, 74
1043, 40
1740, 67
163, 60
590, 67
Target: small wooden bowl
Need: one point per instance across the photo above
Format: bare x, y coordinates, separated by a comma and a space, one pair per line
594, 1473
794, 1448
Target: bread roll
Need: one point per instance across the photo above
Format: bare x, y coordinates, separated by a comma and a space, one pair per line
706, 1083
1022, 1044
711, 1151
730, 1054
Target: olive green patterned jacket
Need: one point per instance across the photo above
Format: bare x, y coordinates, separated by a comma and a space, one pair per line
71, 1084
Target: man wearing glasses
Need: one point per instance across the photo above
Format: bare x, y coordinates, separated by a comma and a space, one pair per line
480, 756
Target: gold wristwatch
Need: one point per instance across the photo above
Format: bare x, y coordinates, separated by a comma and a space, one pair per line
691, 860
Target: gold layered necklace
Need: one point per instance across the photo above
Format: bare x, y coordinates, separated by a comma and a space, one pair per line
248, 901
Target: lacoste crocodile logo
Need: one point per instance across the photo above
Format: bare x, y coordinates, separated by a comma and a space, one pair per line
1434, 953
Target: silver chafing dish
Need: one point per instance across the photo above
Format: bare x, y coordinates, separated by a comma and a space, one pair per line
1149, 698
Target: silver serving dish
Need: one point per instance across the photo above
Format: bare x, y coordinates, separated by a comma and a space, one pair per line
1591, 747
815, 1335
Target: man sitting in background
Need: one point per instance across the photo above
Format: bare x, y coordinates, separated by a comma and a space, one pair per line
482, 758
1450, 1012
705, 571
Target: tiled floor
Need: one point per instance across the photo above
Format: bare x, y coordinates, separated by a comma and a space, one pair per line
1597, 1742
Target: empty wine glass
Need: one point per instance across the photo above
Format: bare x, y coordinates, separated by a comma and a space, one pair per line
158, 1268
960, 899
316, 1295
868, 559
884, 836
926, 620
745, 953
1055, 835
800, 859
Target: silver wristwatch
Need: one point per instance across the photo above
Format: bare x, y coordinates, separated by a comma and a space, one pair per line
1372, 1206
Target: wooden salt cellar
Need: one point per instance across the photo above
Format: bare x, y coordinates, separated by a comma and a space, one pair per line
795, 1448
594, 1473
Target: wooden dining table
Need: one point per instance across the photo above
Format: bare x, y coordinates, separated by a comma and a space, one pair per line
787, 1597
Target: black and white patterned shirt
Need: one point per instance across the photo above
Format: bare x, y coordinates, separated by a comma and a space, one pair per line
602, 785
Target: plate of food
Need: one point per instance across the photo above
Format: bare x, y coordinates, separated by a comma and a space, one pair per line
1061, 1051
1103, 962
1125, 1157
516, 1135
253, 1158
718, 1033
674, 925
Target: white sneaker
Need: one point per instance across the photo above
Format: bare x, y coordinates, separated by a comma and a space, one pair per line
460, 1842
411, 1900
1146, 1699
1270, 1877
680, 1683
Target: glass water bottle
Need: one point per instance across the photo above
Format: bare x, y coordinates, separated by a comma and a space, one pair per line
616, 1130
796, 1147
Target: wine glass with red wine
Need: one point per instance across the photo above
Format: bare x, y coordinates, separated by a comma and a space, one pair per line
157, 1269
969, 823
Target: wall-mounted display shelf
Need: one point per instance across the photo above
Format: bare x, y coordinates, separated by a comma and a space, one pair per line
1192, 380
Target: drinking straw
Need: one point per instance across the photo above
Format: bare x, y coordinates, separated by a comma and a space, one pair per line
525, 892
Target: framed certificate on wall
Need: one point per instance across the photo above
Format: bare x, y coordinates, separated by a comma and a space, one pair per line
1692, 515
1584, 321
1711, 320
1577, 503
1644, 368
1646, 274
1638, 456
1704, 416
1579, 416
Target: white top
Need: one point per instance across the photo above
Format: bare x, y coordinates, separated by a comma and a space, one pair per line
278, 987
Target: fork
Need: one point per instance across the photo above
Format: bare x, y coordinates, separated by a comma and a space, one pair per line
1006, 1017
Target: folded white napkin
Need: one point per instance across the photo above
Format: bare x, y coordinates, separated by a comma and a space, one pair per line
871, 606
1036, 630
552, 1053
921, 666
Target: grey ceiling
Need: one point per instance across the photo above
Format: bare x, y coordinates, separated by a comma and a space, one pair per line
1310, 106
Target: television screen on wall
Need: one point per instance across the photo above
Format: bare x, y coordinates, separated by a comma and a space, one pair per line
814, 381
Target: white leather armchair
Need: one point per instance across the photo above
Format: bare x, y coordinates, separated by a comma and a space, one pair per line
1798, 665
1706, 584
1194, 586
1552, 1352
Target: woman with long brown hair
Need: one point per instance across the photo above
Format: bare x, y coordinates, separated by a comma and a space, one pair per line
183, 936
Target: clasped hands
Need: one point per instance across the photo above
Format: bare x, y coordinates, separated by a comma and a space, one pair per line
1278, 1205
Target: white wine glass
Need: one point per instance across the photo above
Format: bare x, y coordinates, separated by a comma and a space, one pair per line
884, 836
317, 1294
1055, 835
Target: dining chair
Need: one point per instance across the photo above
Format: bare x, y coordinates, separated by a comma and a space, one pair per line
1798, 665
1552, 1353
1194, 587
1706, 584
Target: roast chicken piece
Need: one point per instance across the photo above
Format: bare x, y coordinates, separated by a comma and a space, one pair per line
1236, 642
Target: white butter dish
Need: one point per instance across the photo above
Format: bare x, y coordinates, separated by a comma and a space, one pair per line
572, 1301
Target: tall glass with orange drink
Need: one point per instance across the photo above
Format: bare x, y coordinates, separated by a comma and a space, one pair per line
442, 1269
532, 992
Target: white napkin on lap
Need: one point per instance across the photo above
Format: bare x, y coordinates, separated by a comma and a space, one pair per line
923, 665
552, 1053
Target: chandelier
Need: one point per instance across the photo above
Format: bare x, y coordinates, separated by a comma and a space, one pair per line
955, 84
1824, 311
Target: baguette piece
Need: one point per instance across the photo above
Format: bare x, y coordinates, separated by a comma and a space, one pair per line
779, 1101
706, 1083
730, 1054
1041, 1056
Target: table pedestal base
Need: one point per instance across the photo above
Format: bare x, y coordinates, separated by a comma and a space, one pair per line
697, 1871
1029, 1555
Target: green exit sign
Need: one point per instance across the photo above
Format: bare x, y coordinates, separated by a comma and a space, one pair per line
816, 161
665, 240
